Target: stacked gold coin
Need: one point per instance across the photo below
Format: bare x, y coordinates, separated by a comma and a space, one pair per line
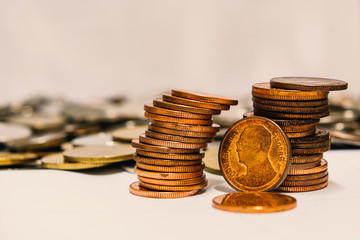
296, 104
169, 154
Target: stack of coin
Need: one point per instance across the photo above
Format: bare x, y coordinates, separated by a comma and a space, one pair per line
169, 154
296, 104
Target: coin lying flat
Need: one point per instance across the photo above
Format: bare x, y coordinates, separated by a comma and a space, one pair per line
128, 134
284, 115
303, 166
180, 182
39, 122
311, 176
303, 188
319, 136
189, 121
167, 175
57, 161
39, 142
170, 144
11, 132
290, 103
194, 103
7, 159
308, 83
295, 135
165, 162
179, 188
169, 137
174, 113
174, 156
302, 183
179, 107
323, 166
158, 129
191, 128
254, 155
287, 122
299, 159
100, 138
254, 202
204, 97
302, 110
160, 149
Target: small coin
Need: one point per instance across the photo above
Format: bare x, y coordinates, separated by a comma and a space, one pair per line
194, 103
319, 136
254, 202
155, 128
303, 188
179, 107
295, 110
299, 159
251, 144
292, 135
11, 132
39, 142
287, 122
170, 144
165, 162
290, 103
280, 115
172, 113
211, 159
205, 97
7, 159
172, 156
301, 183
167, 175
178, 120
178, 188
308, 83
169, 137
128, 134
160, 149
302, 166
298, 128
323, 144
323, 166
171, 169
263, 90
39, 122
137, 190
302, 177
183, 127
100, 138
57, 161
189, 181
310, 151
76, 130
100, 153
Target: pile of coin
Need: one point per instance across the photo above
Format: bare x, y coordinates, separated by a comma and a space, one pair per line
296, 105
169, 154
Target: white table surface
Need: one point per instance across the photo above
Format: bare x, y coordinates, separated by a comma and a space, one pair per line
52, 204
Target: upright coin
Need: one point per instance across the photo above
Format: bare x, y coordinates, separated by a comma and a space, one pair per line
255, 155
308, 83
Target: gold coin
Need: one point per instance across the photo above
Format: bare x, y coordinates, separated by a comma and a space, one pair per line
302, 166
263, 90
171, 144
167, 175
171, 169
189, 181
194, 103
158, 129
179, 107
254, 202
205, 97
173, 113
57, 161
172, 156
254, 155
100, 153
295, 110
165, 162
301, 183
128, 134
299, 159
174, 138
7, 158
290, 103
308, 83
323, 166
137, 190
183, 127
303, 188
302, 177
160, 149
178, 188
259, 112
189, 121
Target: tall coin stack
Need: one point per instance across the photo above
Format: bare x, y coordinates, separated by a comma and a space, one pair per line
296, 104
169, 154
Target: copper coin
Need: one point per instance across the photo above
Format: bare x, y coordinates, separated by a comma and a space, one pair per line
137, 190
171, 144
169, 137
171, 169
254, 155
308, 83
194, 103
322, 144
280, 115
155, 128
254, 202
264, 90
299, 128
305, 182
319, 136
183, 127
301, 177
172, 156
291, 103
179, 107
292, 135
189, 181
302, 110
323, 166
303, 188
287, 122
306, 158
178, 120
174, 113
178, 188
167, 175
205, 97
310, 151
165, 162
302, 166
160, 149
